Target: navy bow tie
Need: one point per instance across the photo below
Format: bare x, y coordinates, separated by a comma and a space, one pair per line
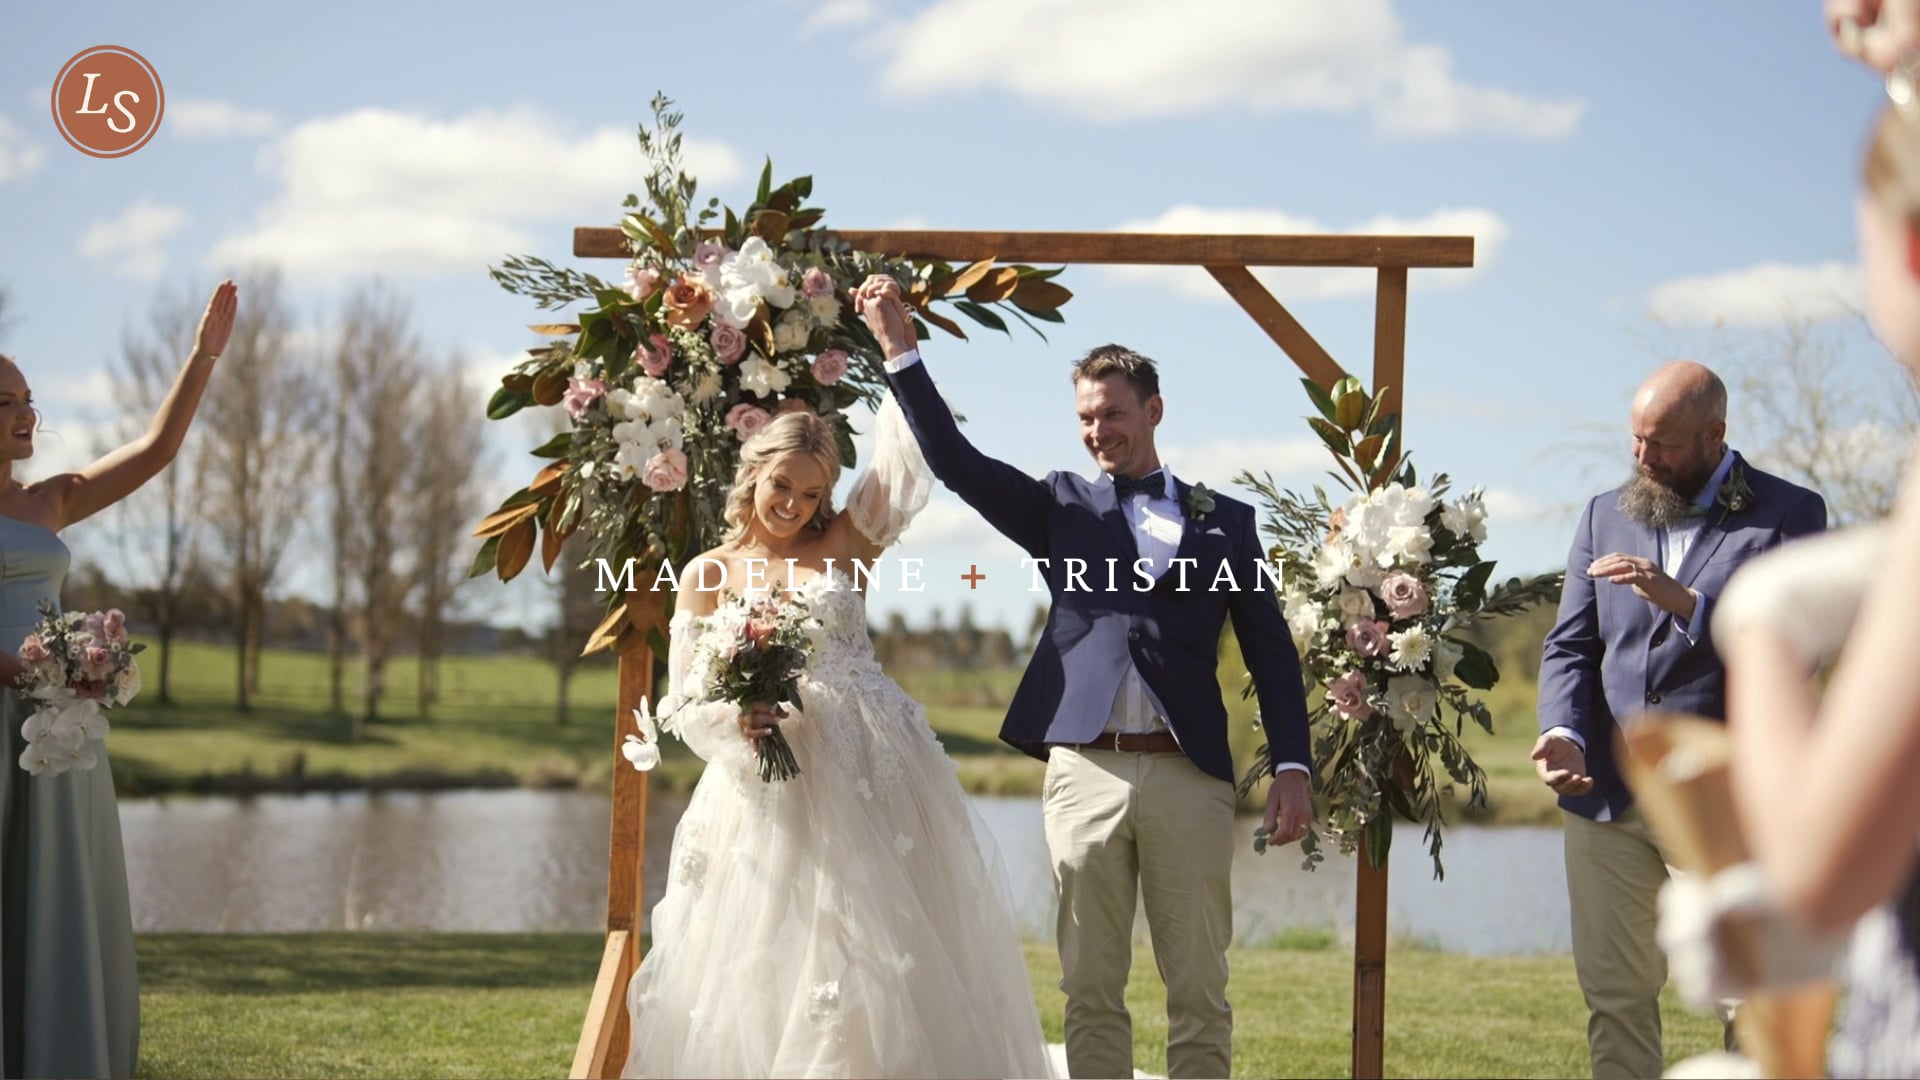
1153, 485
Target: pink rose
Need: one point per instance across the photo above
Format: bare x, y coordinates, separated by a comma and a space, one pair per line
757, 632
728, 343
746, 420
815, 283
1349, 696
709, 255
97, 664
95, 624
1368, 637
1404, 595
32, 651
580, 394
641, 281
830, 367
665, 471
116, 624
654, 361
688, 300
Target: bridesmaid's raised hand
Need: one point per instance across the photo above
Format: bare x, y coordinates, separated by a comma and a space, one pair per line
216, 326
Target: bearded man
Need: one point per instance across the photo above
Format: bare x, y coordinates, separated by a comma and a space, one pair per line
1647, 562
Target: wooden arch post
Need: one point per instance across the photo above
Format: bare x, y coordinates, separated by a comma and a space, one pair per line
603, 1037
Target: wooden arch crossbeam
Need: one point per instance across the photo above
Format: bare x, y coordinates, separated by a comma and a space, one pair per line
1229, 258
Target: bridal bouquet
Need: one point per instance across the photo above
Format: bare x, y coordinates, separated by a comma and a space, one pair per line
721, 321
1380, 594
753, 651
77, 665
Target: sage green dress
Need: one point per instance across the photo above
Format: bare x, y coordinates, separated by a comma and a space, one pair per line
69, 999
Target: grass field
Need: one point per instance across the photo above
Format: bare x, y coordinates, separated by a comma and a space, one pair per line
458, 1005
495, 725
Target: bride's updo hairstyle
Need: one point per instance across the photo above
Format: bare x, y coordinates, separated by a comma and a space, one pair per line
801, 432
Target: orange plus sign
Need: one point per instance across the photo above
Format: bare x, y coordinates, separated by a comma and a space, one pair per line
973, 577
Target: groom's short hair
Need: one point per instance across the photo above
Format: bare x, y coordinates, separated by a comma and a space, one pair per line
1119, 360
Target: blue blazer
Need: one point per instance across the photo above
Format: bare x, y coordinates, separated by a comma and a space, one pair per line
1172, 637
1612, 654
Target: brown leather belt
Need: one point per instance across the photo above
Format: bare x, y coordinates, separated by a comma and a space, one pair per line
1152, 742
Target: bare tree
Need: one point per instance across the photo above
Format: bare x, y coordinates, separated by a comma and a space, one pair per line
377, 366
1802, 407
156, 527
257, 432
444, 493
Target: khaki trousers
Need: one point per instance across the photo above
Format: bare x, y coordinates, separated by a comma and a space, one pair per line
1125, 825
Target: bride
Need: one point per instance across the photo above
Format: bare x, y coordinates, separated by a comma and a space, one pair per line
843, 922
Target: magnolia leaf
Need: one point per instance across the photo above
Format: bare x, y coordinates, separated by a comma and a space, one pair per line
550, 542
505, 403
518, 382
981, 315
995, 286
1476, 668
554, 329
516, 547
1335, 439
549, 387
505, 518
1037, 295
969, 276
1347, 385
607, 632
1471, 592
1367, 451
547, 480
943, 323
1350, 411
1321, 400
769, 225
556, 521
556, 446
805, 219
766, 183
484, 560
1379, 838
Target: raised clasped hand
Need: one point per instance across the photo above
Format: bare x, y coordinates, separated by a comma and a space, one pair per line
880, 301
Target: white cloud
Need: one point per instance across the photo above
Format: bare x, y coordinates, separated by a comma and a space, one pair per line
20, 156
1113, 60
1308, 283
1510, 506
64, 443
214, 119
403, 193
1764, 294
92, 390
132, 243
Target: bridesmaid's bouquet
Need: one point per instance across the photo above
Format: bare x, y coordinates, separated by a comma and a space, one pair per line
755, 652
77, 666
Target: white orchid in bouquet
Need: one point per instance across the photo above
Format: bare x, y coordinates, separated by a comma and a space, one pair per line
720, 322
1381, 592
77, 665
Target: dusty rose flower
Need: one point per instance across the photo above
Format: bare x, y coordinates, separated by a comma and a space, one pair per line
1403, 594
757, 632
688, 301
1335, 522
745, 420
1368, 637
1349, 696
815, 283
665, 471
580, 394
656, 356
32, 651
709, 255
97, 664
116, 626
830, 367
641, 281
728, 343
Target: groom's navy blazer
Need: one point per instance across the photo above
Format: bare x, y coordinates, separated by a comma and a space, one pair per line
1172, 637
1612, 654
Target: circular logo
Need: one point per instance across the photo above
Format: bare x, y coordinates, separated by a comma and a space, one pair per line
107, 101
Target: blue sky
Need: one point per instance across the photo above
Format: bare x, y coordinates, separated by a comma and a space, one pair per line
1617, 162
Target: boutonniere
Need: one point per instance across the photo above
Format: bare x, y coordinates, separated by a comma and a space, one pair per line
1734, 493
1199, 501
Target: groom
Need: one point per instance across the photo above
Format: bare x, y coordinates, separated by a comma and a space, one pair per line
1121, 697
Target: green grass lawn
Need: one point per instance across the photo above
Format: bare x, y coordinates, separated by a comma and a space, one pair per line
511, 1005
496, 725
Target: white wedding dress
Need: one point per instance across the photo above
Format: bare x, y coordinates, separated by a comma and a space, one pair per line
845, 922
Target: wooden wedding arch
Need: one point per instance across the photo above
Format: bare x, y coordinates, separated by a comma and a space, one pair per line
603, 1037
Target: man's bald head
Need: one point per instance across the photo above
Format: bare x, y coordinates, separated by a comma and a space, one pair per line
1685, 393
1679, 437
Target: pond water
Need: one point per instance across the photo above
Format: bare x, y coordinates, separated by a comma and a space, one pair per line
537, 860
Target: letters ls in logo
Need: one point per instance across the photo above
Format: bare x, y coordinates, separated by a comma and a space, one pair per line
107, 101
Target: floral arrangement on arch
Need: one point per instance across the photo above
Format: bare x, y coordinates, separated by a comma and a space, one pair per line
1378, 592
722, 321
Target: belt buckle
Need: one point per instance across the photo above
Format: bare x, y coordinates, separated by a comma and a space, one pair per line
1120, 741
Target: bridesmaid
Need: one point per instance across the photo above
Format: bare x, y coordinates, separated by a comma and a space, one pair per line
69, 996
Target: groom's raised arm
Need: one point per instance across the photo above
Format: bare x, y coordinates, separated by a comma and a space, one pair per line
1012, 502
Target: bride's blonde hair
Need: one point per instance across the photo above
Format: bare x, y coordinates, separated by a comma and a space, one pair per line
789, 433
1892, 173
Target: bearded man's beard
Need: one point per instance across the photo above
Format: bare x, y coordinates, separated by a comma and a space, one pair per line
1647, 501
